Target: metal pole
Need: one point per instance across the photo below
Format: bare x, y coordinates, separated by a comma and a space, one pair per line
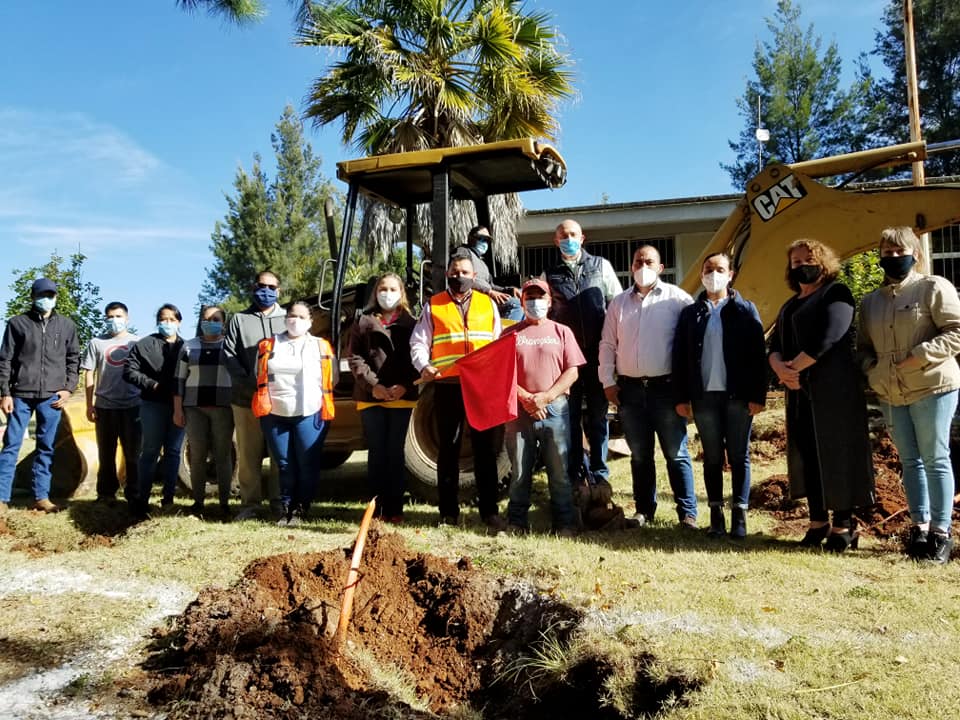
913, 107
759, 144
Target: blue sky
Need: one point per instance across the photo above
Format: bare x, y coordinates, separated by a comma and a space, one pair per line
123, 123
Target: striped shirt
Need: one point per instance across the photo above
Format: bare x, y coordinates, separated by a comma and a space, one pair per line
202, 376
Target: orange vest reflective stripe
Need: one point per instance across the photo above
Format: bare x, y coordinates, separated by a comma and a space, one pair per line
262, 404
452, 338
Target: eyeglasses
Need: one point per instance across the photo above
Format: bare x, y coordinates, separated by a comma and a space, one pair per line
266, 286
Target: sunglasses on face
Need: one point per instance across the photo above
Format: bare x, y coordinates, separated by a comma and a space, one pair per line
266, 286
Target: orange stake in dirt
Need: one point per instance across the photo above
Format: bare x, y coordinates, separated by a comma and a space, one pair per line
346, 606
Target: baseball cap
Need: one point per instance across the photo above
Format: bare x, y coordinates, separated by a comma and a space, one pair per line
42, 285
535, 283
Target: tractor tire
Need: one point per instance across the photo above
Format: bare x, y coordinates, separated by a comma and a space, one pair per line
420, 455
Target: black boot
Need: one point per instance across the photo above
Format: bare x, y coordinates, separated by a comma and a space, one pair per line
838, 542
940, 545
738, 523
718, 524
918, 544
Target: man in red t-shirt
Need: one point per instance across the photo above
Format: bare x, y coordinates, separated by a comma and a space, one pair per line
548, 358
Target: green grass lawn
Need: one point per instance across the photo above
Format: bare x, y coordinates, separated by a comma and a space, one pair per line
775, 631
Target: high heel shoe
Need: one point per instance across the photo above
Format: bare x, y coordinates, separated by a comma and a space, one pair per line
815, 536
839, 542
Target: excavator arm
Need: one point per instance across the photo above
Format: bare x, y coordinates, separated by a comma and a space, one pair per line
785, 202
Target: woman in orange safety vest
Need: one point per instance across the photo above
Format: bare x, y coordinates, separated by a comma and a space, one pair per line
294, 401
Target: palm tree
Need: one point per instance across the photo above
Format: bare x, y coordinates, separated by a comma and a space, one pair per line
432, 73
417, 74
238, 11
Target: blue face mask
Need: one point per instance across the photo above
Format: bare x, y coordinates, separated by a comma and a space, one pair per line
44, 304
481, 246
570, 247
265, 297
116, 325
211, 327
167, 329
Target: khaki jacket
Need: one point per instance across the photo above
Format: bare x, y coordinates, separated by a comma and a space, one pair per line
918, 316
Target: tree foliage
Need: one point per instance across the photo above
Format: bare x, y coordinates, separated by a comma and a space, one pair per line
77, 298
236, 11
273, 224
417, 74
802, 104
862, 274
937, 39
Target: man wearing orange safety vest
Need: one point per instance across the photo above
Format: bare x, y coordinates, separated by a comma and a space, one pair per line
453, 323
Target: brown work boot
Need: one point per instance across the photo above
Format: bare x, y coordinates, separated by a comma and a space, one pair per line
3, 508
46, 506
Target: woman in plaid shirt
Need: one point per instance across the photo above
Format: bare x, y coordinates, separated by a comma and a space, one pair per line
202, 403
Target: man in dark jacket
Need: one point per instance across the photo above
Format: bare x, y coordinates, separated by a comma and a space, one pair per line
39, 370
581, 287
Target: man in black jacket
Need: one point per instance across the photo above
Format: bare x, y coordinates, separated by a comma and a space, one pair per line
39, 369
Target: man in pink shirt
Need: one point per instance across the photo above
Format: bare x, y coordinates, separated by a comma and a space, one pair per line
548, 358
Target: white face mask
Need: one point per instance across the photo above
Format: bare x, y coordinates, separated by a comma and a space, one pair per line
297, 326
715, 281
536, 308
645, 276
388, 299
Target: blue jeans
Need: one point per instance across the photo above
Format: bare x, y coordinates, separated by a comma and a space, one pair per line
386, 432
296, 444
921, 432
593, 423
724, 427
48, 419
648, 408
158, 434
524, 437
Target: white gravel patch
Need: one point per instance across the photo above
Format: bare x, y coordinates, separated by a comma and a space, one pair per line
38, 696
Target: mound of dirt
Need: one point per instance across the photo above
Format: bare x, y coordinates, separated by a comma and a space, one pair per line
886, 518
449, 632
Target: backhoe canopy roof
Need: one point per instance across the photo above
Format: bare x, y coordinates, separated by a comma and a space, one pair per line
405, 179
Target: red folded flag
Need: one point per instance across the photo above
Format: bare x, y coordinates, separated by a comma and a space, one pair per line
488, 380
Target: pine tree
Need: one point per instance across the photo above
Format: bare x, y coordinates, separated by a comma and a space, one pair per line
276, 225
802, 104
937, 39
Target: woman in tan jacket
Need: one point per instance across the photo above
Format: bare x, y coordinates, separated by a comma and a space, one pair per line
908, 338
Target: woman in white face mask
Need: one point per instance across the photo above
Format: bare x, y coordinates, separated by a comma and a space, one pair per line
294, 402
383, 388
720, 379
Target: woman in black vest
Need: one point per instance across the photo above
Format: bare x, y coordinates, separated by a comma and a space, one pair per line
811, 351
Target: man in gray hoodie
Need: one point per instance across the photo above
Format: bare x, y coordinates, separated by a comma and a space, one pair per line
264, 318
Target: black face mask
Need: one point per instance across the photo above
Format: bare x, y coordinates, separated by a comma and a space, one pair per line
897, 268
805, 274
459, 285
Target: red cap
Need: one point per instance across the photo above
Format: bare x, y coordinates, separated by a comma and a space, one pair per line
535, 283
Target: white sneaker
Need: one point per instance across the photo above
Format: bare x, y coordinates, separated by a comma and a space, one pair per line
640, 519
